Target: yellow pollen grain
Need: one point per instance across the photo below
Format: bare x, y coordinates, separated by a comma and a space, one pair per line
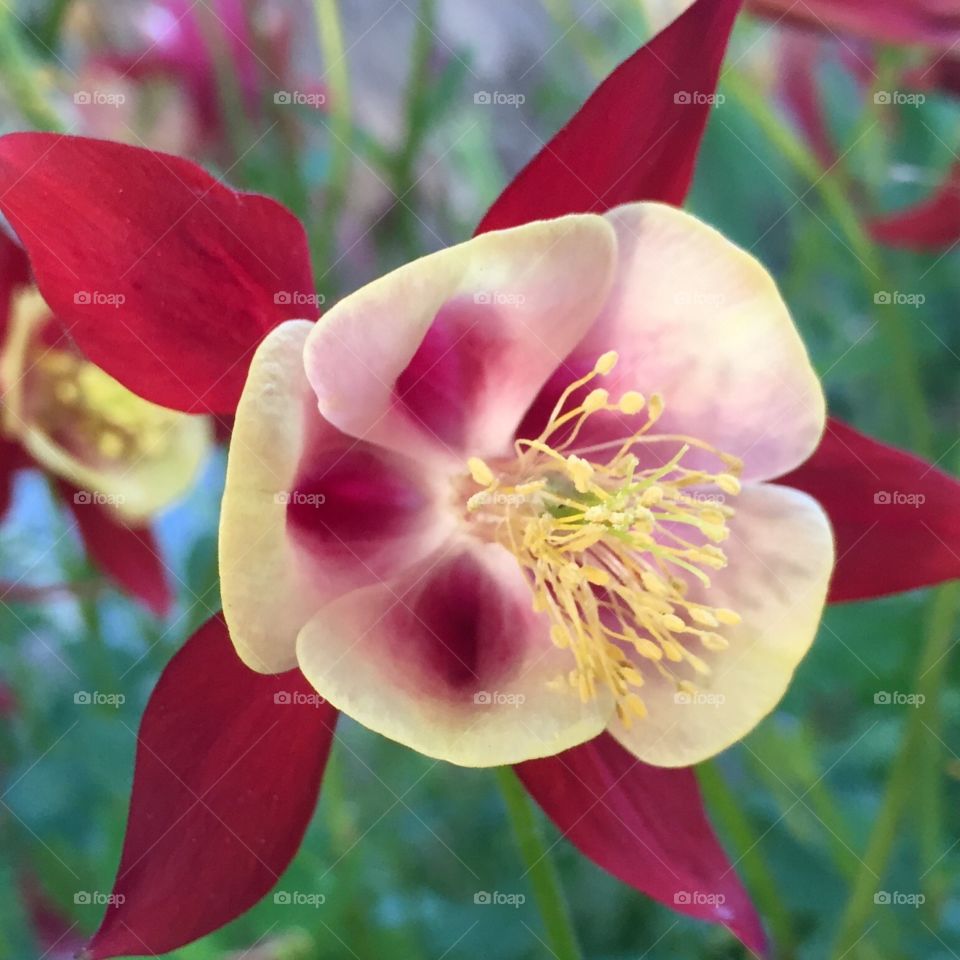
596, 400
606, 363
480, 472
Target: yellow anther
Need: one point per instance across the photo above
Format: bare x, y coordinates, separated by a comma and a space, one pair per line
606, 363
596, 576
713, 641
580, 471
728, 483
651, 496
673, 623
480, 472
631, 402
596, 400
655, 407
729, 617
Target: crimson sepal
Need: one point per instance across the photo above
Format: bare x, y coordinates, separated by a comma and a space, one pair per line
165, 278
647, 826
227, 773
637, 136
896, 517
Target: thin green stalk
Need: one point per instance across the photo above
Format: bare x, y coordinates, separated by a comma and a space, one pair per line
330, 34
543, 875
901, 784
20, 79
728, 811
52, 23
404, 164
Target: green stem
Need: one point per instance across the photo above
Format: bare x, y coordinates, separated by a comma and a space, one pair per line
728, 811
340, 127
52, 23
404, 164
20, 79
543, 875
901, 784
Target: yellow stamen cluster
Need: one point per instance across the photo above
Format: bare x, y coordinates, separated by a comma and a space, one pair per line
611, 543
73, 398
71, 401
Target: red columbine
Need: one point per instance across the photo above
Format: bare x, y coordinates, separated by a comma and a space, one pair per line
235, 757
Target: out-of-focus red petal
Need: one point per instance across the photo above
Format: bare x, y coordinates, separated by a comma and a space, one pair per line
931, 225
165, 278
228, 768
800, 57
12, 458
637, 136
647, 826
129, 556
935, 22
896, 518
14, 272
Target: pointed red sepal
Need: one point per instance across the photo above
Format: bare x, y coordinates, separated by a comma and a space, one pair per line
931, 225
129, 556
896, 517
228, 768
637, 136
646, 826
163, 276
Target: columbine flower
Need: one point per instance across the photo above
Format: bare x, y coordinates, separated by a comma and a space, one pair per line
531, 469
118, 459
80, 424
209, 273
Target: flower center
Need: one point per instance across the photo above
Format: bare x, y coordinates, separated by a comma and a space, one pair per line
71, 401
611, 543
